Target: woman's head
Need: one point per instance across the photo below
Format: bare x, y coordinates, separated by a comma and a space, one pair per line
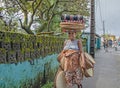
72, 35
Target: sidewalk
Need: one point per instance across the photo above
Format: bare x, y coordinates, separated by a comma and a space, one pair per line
106, 71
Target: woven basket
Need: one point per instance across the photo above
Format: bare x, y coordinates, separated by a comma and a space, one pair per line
89, 72
72, 26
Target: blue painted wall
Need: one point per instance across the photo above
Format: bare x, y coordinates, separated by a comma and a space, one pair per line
13, 76
97, 41
88, 42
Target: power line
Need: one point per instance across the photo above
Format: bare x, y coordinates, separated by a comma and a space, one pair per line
100, 10
96, 6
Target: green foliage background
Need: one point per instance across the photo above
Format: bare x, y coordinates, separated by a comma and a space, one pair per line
23, 14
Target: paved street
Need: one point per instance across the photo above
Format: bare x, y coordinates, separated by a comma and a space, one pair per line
107, 70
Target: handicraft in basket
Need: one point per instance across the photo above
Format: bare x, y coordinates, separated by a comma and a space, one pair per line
72, 22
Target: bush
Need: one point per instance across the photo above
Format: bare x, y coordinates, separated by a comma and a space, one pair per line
48, 85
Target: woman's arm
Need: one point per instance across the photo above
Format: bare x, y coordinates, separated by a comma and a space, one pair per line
61, 53
64, 46
64, 43
81, 53
80, 46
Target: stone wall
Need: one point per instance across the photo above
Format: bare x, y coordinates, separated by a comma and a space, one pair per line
16, 47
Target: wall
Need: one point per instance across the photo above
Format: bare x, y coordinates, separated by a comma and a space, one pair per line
25, 75
28, 61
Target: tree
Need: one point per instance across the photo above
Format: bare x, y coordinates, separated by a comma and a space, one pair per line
45, 12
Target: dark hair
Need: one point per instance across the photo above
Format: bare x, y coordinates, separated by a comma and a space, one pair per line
72, 31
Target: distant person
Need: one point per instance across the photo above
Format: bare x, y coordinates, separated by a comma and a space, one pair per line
115, 45
106, 45
110, 43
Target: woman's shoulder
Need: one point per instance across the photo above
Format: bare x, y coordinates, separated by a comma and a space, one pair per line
66, 41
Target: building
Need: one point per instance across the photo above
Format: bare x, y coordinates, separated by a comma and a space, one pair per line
86, 35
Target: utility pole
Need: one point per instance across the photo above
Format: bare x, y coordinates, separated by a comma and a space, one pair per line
104, 40
92, 29
103, 30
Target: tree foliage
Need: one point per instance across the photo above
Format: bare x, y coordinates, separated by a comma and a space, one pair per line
45, 12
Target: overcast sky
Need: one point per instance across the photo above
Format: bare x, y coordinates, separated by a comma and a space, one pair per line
110, 12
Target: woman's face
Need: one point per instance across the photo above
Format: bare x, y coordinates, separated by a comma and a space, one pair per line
72, 35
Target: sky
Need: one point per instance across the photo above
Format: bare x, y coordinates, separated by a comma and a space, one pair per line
109, 11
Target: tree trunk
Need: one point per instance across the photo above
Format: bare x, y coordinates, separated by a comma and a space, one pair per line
28, 31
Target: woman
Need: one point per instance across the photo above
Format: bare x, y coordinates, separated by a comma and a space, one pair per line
72, 51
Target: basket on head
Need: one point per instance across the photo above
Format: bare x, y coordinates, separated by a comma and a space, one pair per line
72, 22
72, 26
